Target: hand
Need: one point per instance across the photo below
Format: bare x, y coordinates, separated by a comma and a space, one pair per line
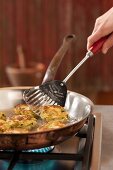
103, 26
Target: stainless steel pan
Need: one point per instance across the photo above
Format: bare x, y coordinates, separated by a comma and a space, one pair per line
78, 106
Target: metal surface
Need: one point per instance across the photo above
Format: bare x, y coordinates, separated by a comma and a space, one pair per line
78, 106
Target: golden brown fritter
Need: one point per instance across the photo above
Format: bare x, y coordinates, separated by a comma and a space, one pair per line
53, 112
23, 109
22, 122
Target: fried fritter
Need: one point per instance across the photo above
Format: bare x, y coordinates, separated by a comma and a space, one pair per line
22, 121
23, 109
49, 113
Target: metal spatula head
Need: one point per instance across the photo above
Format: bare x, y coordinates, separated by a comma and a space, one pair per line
50, 93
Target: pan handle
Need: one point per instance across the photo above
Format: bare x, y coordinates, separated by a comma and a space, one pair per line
55, 62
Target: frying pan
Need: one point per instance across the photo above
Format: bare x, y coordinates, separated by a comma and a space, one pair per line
79, 107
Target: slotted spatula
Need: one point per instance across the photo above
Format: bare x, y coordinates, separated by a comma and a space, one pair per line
54, 92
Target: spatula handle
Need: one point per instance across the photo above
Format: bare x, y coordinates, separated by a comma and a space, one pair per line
96, 47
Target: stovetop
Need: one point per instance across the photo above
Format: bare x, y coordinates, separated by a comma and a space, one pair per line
75, 153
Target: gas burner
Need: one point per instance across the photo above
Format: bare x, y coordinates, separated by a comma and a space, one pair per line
41, 150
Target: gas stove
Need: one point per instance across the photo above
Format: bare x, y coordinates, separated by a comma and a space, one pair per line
80, 152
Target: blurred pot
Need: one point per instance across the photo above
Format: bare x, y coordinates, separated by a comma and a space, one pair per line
28, 76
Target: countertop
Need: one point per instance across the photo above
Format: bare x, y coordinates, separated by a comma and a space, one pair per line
107, 135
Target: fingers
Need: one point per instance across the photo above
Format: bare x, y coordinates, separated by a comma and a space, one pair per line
101, 31
108, 44
93, 38
97, 25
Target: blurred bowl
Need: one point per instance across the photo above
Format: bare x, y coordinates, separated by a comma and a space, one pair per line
29, 76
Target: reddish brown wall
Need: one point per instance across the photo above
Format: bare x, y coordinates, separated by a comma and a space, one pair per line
40, 25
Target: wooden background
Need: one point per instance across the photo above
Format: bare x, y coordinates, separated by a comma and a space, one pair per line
40, 26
